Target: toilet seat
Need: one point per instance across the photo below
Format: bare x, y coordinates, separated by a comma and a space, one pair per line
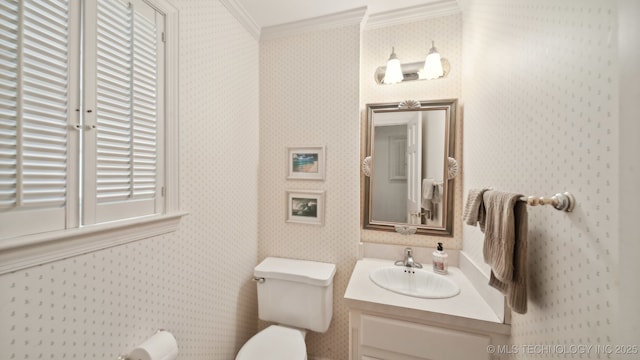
275, 343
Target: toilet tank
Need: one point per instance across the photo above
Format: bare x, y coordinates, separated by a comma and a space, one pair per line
296, 293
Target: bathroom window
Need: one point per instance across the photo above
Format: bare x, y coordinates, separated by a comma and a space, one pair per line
88, 125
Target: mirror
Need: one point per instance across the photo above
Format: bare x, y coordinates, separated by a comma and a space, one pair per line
408, 165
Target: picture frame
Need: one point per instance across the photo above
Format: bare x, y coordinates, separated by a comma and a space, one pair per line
306, 162
305, 207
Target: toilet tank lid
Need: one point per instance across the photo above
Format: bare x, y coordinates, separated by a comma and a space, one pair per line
304, 271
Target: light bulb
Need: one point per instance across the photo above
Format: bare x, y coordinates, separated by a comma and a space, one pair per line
432, 65
393, 74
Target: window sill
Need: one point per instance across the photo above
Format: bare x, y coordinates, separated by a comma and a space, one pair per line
27, 251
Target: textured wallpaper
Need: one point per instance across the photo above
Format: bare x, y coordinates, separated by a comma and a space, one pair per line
412, 42
309, 96
541, 117
195, 282
539, 90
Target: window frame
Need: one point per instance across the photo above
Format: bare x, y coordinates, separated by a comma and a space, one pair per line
31, 250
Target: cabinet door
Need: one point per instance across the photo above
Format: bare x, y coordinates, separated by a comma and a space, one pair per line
418, 341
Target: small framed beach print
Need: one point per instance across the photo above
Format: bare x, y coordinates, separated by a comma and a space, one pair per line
306, 162
305, 207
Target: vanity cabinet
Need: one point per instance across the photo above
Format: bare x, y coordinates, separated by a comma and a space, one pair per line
381, 337
384, 325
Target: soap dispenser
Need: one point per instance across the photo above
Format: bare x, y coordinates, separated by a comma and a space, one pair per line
440, 260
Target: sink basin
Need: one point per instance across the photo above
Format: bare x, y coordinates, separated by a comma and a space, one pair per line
414, 282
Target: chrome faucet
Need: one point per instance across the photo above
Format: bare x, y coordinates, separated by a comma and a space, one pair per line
408, 260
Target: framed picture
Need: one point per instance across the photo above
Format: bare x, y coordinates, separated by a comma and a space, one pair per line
305, 207
306, 162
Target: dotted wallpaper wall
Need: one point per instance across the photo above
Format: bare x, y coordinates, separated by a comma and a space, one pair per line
412, 42
195, 282
539, 84
309, 96
540, 90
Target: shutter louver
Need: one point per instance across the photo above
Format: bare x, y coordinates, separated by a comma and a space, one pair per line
34, 80
8, 103
44, 94
126, 112
114, 84
145, 111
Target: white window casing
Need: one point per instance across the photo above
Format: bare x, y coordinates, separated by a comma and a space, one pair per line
88, 159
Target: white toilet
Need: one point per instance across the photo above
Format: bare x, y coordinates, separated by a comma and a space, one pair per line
298, 296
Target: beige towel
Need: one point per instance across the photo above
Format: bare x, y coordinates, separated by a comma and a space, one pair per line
427, 194
474, 210
437, 192
505, 246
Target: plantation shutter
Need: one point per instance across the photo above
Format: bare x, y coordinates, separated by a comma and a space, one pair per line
34, 97
123, 138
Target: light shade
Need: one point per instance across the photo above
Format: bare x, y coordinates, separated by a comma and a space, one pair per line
393, 74
432, 65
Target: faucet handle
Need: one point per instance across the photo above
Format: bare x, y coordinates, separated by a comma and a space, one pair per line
408, 259
408, 252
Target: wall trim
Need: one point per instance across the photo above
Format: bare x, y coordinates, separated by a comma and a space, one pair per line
24, 252
325, 22
412, 14
240, 13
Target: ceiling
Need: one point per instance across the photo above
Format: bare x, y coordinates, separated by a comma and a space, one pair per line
275, 12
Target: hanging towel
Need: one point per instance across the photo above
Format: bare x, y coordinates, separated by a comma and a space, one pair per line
437, 192
427, 193
474, 210
505, 246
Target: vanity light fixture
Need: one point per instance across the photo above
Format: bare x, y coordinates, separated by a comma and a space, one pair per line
434, 67
393, 73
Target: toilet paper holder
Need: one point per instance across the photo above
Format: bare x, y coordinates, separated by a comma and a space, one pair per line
126, 356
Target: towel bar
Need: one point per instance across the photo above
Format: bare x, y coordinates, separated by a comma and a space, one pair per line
563, 202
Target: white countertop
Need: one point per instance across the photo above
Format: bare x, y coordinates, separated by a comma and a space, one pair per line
467, 309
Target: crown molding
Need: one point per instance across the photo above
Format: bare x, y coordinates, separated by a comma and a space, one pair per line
412, 14
240, 13
331, 21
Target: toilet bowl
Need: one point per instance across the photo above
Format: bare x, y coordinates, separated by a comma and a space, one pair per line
275, 343
297, 295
